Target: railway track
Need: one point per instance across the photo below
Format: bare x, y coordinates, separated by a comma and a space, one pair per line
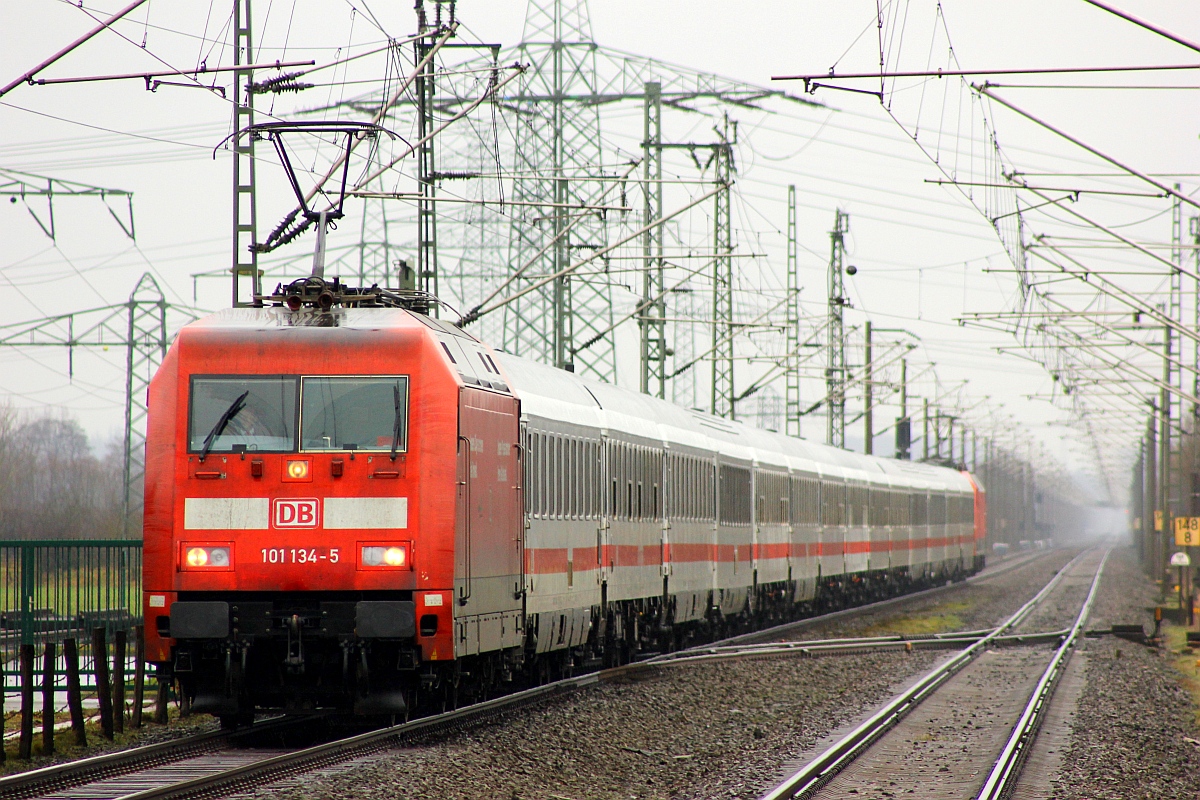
795, 626
220, 763
870, 752
62, 780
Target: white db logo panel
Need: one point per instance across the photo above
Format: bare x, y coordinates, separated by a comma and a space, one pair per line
296, 513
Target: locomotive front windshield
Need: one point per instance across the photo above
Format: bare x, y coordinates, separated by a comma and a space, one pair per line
250, 412
354, 413
258, 413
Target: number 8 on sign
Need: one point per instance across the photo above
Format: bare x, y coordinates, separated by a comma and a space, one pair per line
1187, 531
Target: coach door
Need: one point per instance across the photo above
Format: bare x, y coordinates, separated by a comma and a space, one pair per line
462, 515
489, 551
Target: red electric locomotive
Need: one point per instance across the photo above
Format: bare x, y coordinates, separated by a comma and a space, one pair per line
307, 504
349, 506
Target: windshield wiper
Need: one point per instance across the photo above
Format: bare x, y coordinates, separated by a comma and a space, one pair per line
231, 412
398, 422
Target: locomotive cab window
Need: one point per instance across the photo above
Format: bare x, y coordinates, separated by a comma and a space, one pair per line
354, 413
242, 412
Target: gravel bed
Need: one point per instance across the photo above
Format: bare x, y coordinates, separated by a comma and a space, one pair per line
712, 730
1130, 732
943, 749
1061, 607
967, 606
718, 730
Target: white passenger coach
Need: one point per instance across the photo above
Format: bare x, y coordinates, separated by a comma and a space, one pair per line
642, 514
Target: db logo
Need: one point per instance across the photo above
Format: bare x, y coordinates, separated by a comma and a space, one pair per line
293, 513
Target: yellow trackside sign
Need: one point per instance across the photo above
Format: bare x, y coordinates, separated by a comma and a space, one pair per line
1157, 521
1187, 531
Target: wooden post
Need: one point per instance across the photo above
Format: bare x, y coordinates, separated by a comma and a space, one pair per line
49, 655
119, 681
161, 697
25, 748
139, 675
3, 656
74, 694
103, 686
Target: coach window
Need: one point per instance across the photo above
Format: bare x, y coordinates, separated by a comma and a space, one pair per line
540, 480
657, 482
630, 471
580, 481
575, 482
587, 450
576, 479
569, 478
640, 478
242, 412
546, 488
534, 463
354, 413
531, 471
560, 479
614, 474
589, 479
551, 475
598, 474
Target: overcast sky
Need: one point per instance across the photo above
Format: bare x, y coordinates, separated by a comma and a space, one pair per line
925, 256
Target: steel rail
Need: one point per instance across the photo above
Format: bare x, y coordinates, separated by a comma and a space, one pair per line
838, 756
717, 649
69, 774
884, 644
1002, 780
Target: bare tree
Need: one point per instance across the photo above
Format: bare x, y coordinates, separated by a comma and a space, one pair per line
52, 486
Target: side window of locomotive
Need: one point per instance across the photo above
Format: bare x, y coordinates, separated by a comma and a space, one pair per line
354, 413
242, 412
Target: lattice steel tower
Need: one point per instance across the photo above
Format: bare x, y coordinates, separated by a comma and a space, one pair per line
792, 399
722, 404
245, 214
558, 139
653, 310
835, 343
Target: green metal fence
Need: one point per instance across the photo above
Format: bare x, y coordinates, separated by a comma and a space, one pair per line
52, 589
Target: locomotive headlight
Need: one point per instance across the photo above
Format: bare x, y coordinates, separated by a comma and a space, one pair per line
207, 557
297, 470
384, 555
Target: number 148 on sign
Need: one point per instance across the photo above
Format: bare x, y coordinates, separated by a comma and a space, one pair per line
1187, 531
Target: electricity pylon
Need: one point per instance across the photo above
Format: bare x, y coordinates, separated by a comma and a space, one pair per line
558, 143
140, 326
